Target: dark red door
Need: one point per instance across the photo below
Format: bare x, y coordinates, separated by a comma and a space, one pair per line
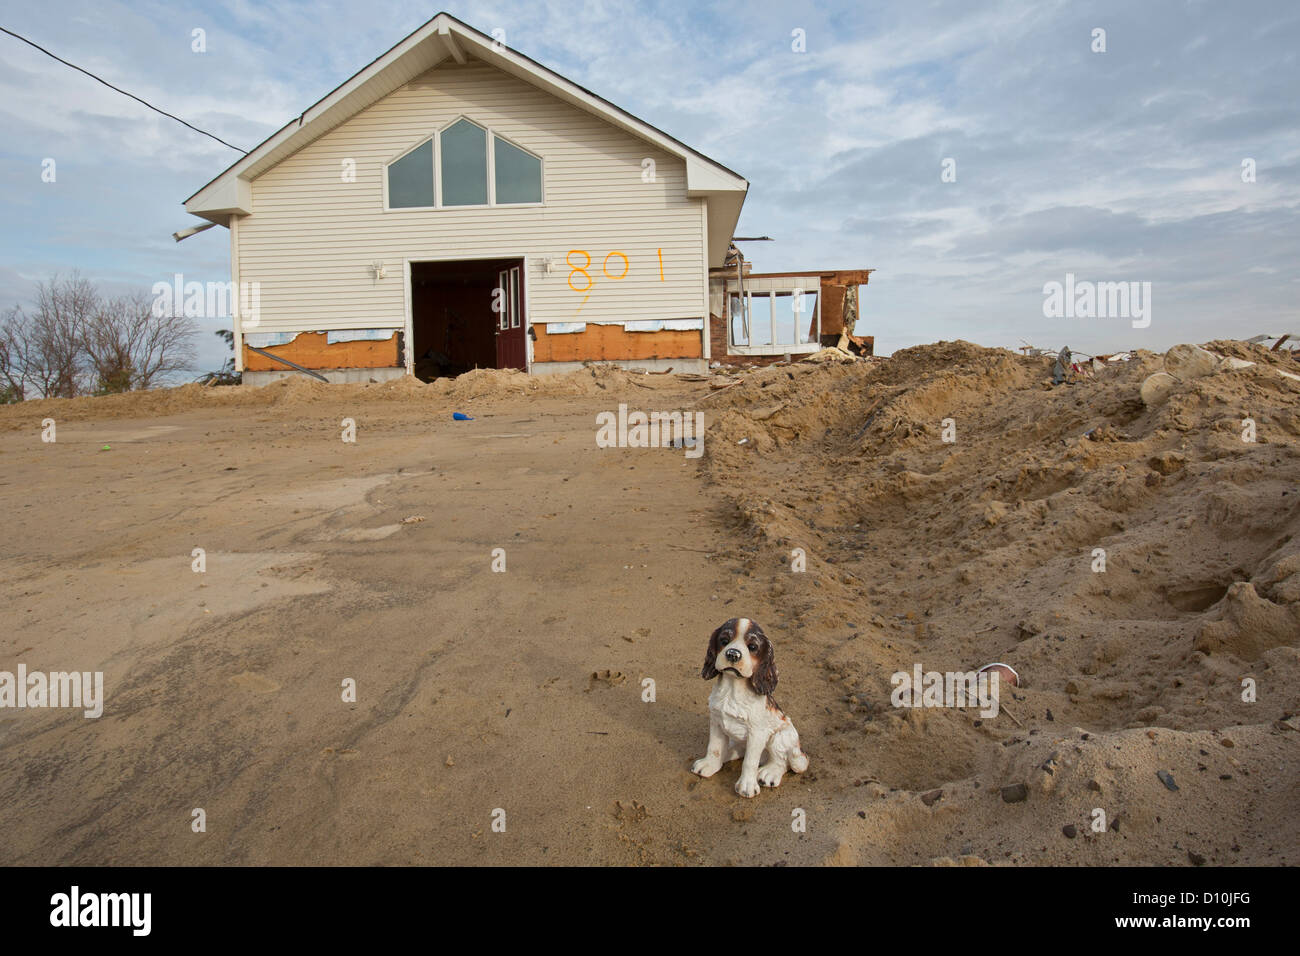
512, 346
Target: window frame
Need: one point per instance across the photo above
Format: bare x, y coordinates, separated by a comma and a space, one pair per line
514, 297
503, 286
493, 136
741, 312
800, 319
490, 141
433, 138
488, 187
773, 287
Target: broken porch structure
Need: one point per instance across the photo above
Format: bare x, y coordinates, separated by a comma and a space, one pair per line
757, 318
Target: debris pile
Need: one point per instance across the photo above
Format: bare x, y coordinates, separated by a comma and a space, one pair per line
1184, 363
1137, 564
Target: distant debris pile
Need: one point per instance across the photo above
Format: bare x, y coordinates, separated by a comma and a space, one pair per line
1185, 363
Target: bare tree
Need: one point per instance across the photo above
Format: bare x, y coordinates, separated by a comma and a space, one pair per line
13, 356
130, 346
74, 340
55, 360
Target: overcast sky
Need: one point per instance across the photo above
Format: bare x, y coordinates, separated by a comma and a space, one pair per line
1123, 165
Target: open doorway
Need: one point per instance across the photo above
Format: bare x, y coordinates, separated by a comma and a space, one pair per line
459, 319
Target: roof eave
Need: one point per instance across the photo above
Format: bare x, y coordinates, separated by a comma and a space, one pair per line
705, 177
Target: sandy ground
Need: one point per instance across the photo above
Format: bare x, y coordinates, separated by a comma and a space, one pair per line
522, 691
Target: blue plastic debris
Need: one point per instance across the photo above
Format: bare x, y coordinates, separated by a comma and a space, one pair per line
461, 417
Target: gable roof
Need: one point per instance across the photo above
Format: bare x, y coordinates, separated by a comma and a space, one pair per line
443, 37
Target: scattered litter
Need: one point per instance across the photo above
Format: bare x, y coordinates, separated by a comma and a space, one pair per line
1156, 388
763, 414
832, 353
1062, 363
1184, 363
1277, 346
1006, 673
461, 417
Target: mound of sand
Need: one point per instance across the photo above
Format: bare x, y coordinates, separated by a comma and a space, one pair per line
474, 388
1139, 566
1134, 564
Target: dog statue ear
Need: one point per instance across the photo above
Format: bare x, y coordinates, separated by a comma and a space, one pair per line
710, 670
764, 677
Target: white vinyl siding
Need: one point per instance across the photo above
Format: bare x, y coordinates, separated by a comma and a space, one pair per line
313, 236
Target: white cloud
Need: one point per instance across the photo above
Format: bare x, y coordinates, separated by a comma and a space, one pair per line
1123, 165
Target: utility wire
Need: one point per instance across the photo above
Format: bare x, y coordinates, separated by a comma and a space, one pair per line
123, 92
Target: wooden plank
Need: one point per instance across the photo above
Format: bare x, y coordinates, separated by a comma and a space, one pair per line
613, 343
311, 350
831, 276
